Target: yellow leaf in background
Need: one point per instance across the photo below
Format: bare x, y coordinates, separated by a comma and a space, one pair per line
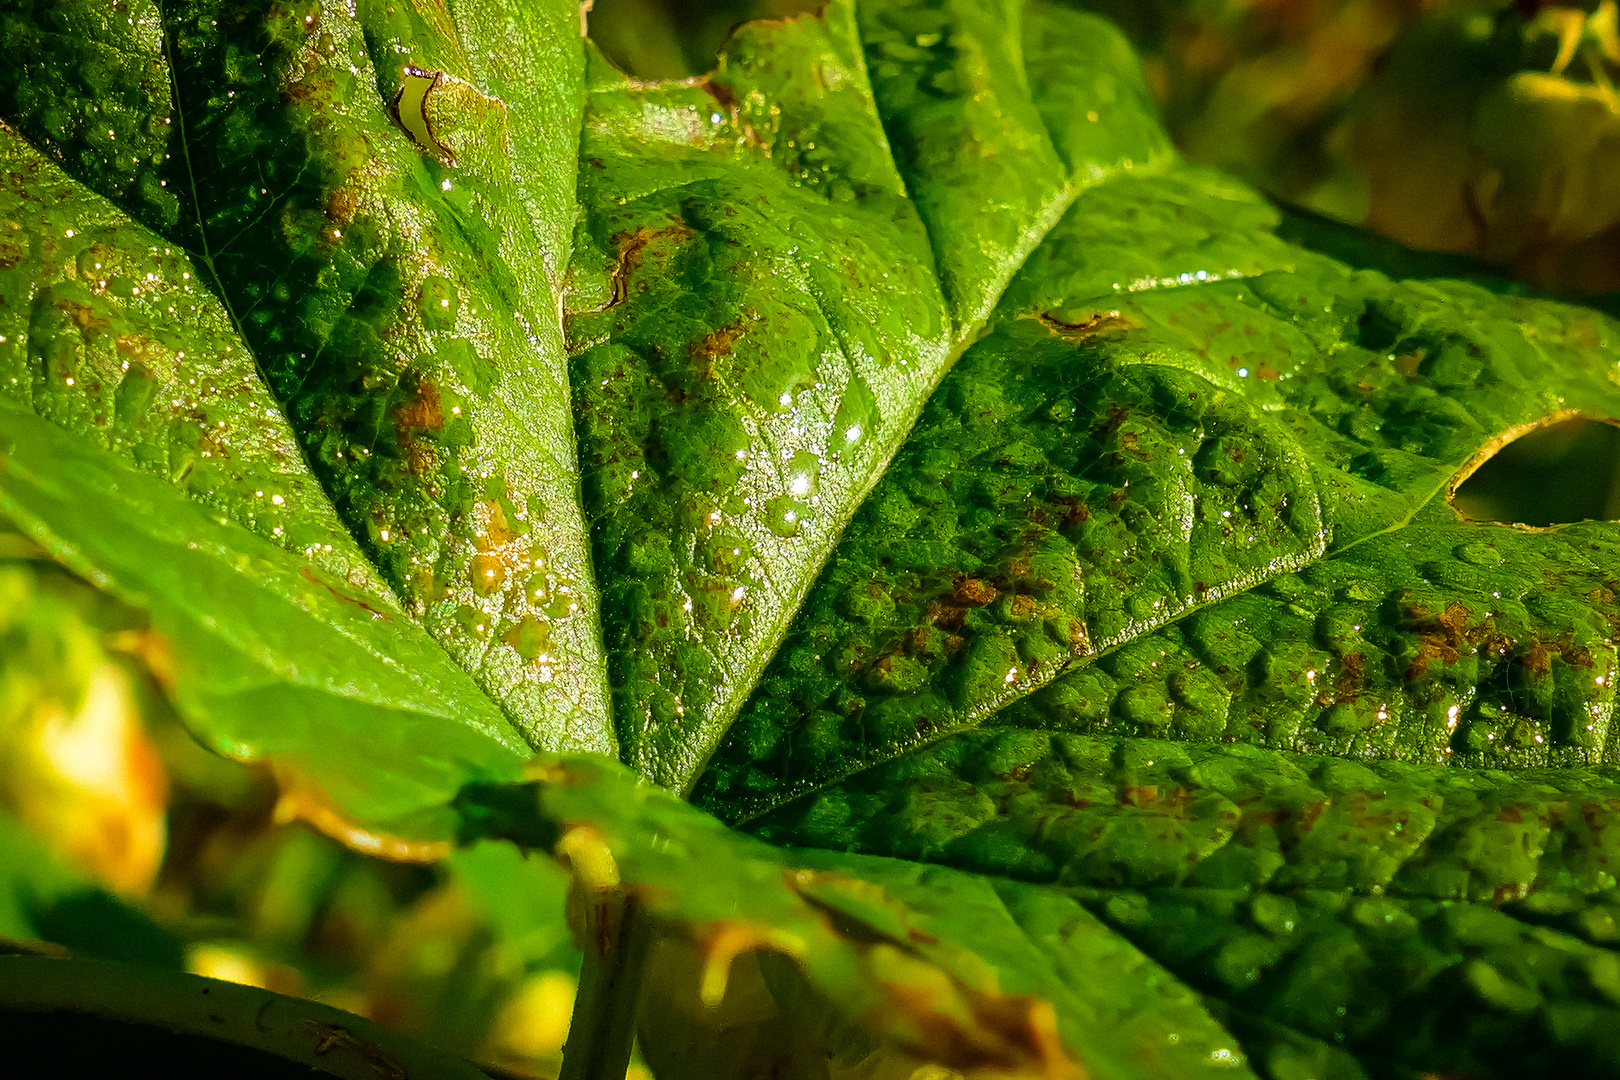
106, 810
76, 764
533, 1024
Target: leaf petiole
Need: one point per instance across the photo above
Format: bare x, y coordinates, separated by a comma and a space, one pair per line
603, 1027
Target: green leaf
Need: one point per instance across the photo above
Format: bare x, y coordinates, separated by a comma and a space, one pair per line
1210, 507
382, 204
1046, 555
788, 254
774, 962
141, 448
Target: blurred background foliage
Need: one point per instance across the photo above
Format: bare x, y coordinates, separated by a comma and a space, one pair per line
1487, 131
121, 837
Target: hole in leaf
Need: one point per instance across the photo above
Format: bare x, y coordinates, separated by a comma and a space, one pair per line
410, 109
1556, 473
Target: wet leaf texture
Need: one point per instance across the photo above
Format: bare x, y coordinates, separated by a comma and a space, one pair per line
382, 204
143, 450
778, 263
790, 963
887, 442
1201, 492
1340, 915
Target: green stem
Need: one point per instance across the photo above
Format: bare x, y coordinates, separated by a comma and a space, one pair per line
604, 1022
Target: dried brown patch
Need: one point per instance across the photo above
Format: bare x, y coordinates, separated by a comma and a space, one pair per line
1448, 636
1538, 657
631, 250
716, 343
1096, 325
82, 316
342, 204
1079, 640
423, 411
973, 592
1352, 676
497, 530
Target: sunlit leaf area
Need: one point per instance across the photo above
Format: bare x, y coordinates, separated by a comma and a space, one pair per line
929, 551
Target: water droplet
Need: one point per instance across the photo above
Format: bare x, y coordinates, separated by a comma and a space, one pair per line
488, 574
784, 516
804, 475
530, 637
537, 588
855, 418
94, 264
438, 303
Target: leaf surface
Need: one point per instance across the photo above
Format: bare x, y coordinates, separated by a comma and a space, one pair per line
140, 447
1204, 494
385, 220
1050, 562
789, 254
783, 962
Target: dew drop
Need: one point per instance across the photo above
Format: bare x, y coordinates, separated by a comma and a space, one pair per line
530, 637
804, 475
488, 574
438, 303
784, 516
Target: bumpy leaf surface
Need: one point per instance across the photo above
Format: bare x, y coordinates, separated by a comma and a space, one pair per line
887, 443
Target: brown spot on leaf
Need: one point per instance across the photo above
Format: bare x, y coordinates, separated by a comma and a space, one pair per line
1352, 676
1449, 636
497, 530
341, 205
973, 592
422, 411
720, 92
1095, 325
1537, 657
1509, 890
716, 343
1074, 511
631, 248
